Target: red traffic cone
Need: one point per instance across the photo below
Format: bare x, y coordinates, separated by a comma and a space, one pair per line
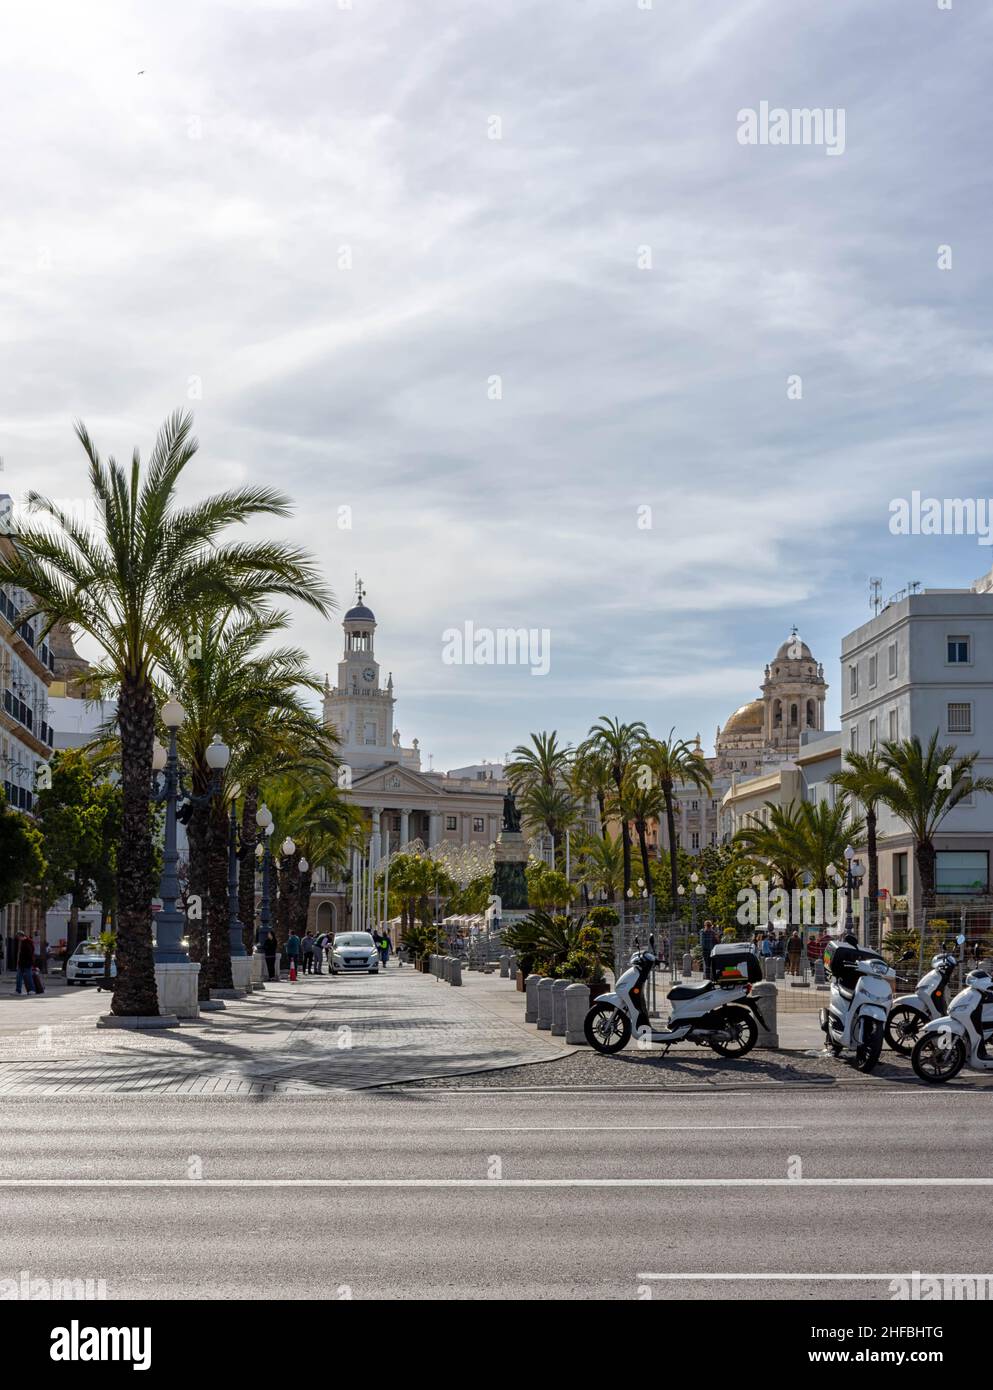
293, 969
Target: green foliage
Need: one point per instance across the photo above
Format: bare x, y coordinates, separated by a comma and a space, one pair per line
603, 917
548, 888
22, 859
544, 942
79, 817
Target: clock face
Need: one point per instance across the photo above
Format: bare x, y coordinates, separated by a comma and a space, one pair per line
369, 674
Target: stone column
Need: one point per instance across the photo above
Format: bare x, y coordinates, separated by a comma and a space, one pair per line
466, 827
434, 823
377, 833
404, 828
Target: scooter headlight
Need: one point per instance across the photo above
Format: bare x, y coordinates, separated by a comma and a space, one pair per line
879, 967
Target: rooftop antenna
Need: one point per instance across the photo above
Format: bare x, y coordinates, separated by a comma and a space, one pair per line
876, 593
913, 585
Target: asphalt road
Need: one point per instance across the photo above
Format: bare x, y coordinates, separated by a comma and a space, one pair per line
598, 1219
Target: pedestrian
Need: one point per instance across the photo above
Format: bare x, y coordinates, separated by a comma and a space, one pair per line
766, 947
307, 949
708, 940
292, 952
384, 949
25, 964
319, 944
794, 947
269, 951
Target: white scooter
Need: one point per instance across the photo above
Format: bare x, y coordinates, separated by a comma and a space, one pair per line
718, 1014
963, 1036
911, 1012
861, 993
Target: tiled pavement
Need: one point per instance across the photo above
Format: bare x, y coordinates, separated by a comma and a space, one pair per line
318, 1034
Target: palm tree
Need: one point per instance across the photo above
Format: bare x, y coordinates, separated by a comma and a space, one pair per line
615, 742
823, 833
921, 786
590, 777
773, 844
600, 867
538, 776
861, 779
549, 809
131, 583
638, 804
674, 762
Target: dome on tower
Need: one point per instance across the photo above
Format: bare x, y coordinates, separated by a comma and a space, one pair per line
359, 614
787, 651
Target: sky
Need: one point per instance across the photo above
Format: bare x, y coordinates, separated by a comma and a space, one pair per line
498, 295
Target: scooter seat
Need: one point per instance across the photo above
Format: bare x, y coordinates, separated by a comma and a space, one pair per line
688, 991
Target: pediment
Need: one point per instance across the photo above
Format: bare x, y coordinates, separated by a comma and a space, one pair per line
393, 778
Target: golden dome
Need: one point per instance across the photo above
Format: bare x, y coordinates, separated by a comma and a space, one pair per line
746, 719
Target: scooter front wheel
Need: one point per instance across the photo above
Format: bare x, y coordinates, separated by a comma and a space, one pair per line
870, 1045
933, 1060
903, 1028
607, 1029
743, 1030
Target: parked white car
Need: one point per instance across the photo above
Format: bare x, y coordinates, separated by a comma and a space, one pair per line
86, 963
354, 951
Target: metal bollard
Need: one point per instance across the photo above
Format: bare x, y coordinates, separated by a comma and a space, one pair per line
577, 1006
504, 966
769, 971
766, 997
531, 998
545, 988
687, 964
512, 966
558, 1007
455, 973
446, 968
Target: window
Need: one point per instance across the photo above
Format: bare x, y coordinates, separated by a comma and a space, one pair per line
695, 840
395, 823
853, 680
694, 805
960, 718
900, 875
891, 660
957, 651
713, 804
872, 733
713, 837
853, 738
894, 725
477, 823
961, 871
370, 734
451, 822
873, 664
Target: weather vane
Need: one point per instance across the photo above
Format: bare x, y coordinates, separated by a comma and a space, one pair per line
359, 591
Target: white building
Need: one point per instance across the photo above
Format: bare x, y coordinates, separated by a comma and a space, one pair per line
925, 663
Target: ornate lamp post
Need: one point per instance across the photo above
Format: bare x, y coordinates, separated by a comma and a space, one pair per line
236, 928
853, 876
263, 819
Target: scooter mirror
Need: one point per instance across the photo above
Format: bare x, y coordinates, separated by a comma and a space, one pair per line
908, 955
961, 940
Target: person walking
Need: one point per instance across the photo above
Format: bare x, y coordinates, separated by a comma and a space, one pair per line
269, 951
384, 949
307, 948
708, 940
292, 952
766, 947
794, 948
25, 964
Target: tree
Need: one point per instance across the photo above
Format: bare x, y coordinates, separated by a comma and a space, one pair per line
130, 584
673, 762
600, 866
590, 778
638, 803
538, 776
551, 809
79, 819
773, 844
824, 832
22, 860
921, 786
862, 779
615, 742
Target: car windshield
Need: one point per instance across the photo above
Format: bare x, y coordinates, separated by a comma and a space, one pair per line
88, 948
354, 938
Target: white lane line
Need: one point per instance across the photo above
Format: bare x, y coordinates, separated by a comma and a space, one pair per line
805, 1278
490, 1182
607, 1129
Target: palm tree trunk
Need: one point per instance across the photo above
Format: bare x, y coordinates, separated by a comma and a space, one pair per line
643, 846
670, 830
304, 883
873, 858
219, 945
246, 868
135, 992
197, 835
601, 802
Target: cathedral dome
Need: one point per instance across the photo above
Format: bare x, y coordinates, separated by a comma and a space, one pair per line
746, 719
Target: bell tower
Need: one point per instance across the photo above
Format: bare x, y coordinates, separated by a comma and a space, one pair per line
357, 707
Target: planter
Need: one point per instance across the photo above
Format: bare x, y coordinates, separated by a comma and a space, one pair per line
598, 987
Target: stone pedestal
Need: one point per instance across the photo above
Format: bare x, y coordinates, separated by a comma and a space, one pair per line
177, 985
531, 998
766, 998
510, 859
258, 970
545, 986
558, 1007
577, 1006
241, 973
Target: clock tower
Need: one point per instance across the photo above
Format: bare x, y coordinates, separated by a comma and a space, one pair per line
360, 711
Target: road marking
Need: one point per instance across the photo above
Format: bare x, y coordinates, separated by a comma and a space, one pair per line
804, 1278
606, 1129
490, 1182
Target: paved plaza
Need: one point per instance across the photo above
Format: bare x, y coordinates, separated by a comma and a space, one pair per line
321, 1032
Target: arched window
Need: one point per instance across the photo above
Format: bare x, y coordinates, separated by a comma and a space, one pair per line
811, 715
794, 715
777, 713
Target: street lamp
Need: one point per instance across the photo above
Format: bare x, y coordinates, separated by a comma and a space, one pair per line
853, 874
263, 819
